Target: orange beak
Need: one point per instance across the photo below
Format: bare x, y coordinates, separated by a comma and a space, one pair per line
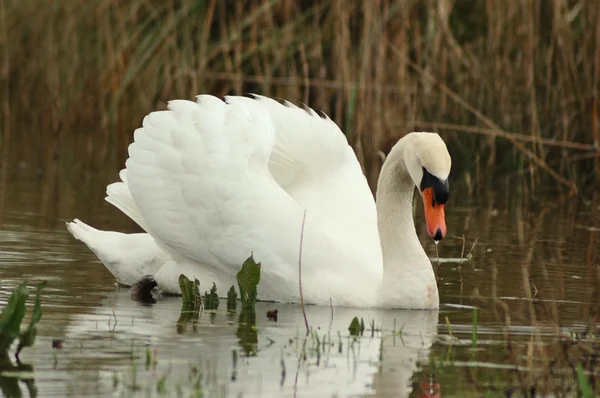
434, 215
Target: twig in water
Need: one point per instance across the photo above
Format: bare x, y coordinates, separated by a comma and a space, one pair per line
449, 327
474, 330
283, 372
301, 357
331, 306
437, 255
109, 321
300, 272
473, 247
462, 252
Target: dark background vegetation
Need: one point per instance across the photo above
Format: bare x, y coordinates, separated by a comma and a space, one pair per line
511, 85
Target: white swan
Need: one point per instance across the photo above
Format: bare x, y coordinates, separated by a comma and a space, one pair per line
212, 181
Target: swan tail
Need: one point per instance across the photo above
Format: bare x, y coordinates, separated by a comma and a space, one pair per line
99, 242
80, 230
128, 257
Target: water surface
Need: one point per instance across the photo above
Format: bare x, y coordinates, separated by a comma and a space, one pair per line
529, 265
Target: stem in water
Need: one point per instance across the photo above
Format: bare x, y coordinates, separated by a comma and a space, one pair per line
300, 272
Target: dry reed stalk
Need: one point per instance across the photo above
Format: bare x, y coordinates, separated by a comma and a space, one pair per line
596, 102
5, 104
480, 116
507, 135
525, 68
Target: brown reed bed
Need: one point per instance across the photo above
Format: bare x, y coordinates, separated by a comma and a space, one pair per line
512, 86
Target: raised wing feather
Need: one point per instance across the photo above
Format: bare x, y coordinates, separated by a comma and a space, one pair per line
312, 161
215, 181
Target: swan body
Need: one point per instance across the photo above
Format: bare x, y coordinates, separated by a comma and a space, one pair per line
213, 181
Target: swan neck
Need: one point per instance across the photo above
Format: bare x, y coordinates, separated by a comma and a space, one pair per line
395, 189
408, 278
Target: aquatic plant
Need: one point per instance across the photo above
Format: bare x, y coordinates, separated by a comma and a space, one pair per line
248, 279
584, 382
190, 292
356, 327
247, 332
191, 303
10, 322
231, 299
211, 300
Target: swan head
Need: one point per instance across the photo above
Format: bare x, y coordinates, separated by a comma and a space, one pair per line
428, 163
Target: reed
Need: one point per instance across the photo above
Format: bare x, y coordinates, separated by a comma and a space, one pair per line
512, 86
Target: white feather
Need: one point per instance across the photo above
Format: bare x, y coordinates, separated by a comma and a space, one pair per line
214, 204
127, 256
213, 181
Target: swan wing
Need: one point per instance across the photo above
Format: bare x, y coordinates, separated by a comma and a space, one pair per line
214, 181
313, 162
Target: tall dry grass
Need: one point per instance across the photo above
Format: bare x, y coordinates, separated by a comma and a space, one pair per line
512, 85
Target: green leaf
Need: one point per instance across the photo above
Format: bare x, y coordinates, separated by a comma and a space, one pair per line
354, 327
584, 382
12, 316
190, 303
190, 292
211, 300
27, 338
231, 299
248, 279
161, 385
11, 319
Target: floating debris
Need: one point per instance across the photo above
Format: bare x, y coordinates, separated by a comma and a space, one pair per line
451, 260
272, 315
142, 289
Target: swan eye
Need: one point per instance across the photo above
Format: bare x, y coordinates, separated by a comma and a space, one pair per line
441, 190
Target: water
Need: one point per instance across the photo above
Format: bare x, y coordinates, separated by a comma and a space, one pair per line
114, 346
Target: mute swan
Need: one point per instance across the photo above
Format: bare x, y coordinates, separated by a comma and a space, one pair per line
213, 181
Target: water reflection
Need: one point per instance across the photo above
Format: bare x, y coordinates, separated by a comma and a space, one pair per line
15, 376
377, 363
247, 332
